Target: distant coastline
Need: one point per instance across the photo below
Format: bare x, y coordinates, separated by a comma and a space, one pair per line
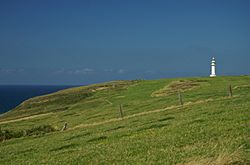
13, 95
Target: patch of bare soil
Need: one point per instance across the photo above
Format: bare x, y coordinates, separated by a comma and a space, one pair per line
242, 86
175, 86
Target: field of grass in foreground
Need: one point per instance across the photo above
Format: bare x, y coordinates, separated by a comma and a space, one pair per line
210, 128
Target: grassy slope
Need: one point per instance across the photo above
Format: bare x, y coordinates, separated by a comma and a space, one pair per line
209, 128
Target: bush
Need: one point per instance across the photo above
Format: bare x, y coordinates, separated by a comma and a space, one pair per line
39, 130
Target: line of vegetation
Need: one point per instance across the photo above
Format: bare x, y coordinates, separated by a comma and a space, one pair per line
35, 131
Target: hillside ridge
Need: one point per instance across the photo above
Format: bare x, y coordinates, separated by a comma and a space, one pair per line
134, 122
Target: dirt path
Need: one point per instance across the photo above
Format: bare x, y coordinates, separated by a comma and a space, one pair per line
25, 118
115, 119
139, 114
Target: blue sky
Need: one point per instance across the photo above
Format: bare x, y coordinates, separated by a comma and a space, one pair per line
86, 41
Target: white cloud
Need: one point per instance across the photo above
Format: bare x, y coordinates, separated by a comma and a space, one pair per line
88, 71
116, 71
83, 71
79, 71
121, 71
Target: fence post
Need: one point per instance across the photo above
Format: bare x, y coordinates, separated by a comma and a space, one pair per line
230, 91
64, 127
180, 98
121, 112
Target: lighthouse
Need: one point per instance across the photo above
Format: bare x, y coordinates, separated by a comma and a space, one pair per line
213, 63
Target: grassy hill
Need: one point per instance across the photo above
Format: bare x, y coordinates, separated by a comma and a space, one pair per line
133, 122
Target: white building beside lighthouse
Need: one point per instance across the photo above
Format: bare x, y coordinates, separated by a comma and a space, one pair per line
213, 65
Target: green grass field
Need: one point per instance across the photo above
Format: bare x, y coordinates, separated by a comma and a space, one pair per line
209, 128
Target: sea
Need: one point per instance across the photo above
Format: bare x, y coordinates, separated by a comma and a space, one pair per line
13, 95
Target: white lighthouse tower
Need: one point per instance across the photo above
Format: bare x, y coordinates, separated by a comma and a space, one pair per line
213, 65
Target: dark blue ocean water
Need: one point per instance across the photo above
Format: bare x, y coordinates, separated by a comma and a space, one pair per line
13, 95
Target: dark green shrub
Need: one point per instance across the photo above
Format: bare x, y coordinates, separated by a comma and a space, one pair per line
39, 130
